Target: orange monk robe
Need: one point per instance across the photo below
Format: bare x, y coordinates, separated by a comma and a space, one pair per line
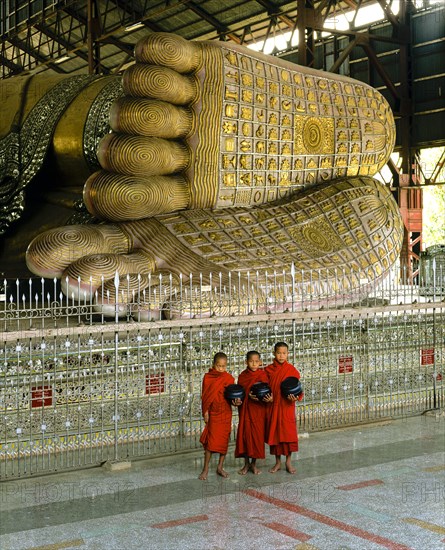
282, 426
251, 433
216, 434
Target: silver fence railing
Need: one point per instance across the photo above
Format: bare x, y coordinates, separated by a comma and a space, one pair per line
78, 389
41, 303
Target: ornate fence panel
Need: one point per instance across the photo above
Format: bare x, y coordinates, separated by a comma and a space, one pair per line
76, 390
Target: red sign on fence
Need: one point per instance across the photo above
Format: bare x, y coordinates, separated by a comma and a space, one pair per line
427, 356
41, 396
154, 383
345, 364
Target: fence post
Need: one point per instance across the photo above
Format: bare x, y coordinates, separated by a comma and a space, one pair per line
116, 365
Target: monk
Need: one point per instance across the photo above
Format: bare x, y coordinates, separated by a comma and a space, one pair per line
282, 427
217, 413
250, 437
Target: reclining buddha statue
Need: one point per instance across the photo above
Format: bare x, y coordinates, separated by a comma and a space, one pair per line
203, 158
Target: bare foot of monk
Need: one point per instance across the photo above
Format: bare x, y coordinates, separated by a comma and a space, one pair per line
254, 469
289, 468
244, 470
275, 468
203, 475
221, 472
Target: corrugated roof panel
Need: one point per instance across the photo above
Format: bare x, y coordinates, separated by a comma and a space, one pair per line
112, 59
429, 59
428, 26
185, 25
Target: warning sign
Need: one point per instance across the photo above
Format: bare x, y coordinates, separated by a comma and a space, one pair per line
345, 364
427, 356
154, 383
41, 396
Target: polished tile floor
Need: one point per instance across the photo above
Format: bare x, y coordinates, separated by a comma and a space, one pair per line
379, 485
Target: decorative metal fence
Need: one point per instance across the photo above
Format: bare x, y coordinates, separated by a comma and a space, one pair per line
78, 389
40, 303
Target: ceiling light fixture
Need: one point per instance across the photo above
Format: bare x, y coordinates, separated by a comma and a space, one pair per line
62, 59
135, 26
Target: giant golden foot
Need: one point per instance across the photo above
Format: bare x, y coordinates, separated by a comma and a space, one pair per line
224, 159
204, 125
353, 223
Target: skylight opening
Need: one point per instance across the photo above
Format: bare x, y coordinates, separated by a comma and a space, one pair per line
365, 16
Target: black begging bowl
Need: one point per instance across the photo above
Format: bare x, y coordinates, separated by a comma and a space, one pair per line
234, 391
260, 390
291, 386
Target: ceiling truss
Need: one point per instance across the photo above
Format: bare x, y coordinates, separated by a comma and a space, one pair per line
97, 34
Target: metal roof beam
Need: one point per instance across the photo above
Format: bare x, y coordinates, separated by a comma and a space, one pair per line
139, 15
64, 43
127, 48
381, 70
353, 5
31, 52
274, 10
388, 13
353, 34
343, 56
222, 29
103, 38
10, 64
437, 170
93, 32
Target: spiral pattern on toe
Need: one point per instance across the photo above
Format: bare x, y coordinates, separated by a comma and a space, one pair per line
149, 118
170, 50
141, 156
114, 197
95, 269
158, 83
51, 252
130, 286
